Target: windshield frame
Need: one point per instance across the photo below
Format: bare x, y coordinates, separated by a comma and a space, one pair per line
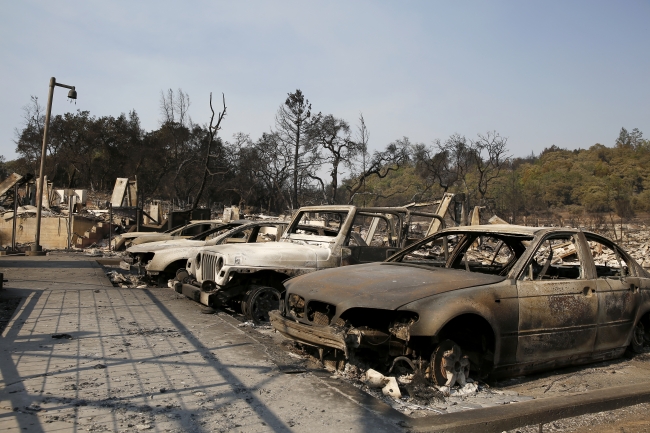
465, 237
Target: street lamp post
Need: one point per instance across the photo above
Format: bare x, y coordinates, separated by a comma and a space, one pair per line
72, 94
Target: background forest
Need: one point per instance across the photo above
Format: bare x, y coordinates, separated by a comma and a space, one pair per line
313, 158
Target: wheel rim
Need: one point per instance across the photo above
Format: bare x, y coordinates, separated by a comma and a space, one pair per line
437, 371
262, 302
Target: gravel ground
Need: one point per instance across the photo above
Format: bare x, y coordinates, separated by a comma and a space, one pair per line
631, 419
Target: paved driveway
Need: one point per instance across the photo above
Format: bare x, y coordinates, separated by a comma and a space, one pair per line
146, 360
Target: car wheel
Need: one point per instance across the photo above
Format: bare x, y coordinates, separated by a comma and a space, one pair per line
260, 300
448, 365
638, 338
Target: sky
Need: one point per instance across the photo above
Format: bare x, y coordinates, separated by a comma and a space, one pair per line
565, 73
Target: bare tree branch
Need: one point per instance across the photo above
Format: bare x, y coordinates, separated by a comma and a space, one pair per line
212, 133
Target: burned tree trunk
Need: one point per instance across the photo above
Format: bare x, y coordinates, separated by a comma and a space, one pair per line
212, 133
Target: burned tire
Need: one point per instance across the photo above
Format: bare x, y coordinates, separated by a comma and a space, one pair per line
447, 356
638, 338
259, 301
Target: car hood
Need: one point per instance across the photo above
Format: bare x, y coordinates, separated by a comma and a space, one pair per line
271, 254
163, 245
156, 238
132, 235
383, 285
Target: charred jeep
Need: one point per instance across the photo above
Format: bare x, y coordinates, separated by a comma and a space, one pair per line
248, 277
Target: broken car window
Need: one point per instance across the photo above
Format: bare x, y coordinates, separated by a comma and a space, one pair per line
485, 254
418, 228
494, 253
195, 229
319, 223
435, 252
267, 234
217, 233
239, 237
610, 263
371, 230
214, 232
556, 258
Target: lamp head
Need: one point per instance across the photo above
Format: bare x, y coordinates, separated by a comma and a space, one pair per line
72, 94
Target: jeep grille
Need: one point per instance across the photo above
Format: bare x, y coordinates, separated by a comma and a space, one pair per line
209, 266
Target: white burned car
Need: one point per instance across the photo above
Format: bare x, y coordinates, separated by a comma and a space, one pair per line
249, 277
128, 239
161, 260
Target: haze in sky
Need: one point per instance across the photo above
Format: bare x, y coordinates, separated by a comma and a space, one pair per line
569, 73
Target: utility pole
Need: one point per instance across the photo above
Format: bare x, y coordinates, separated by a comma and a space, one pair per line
37, 250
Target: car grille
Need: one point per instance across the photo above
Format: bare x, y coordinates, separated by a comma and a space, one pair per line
320, 313
209, 266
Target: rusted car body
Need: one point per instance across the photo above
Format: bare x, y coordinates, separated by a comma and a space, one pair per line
505, 300
249, 277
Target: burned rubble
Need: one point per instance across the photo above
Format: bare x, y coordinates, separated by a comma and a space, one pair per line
412, 394
370, 325
127, 281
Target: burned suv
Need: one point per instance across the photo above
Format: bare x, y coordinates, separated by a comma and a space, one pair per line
248, 277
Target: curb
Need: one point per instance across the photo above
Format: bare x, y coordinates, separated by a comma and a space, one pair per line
533, 412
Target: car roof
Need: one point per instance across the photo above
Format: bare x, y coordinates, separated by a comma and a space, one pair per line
504, 229
259, 222
203, 221
327, 208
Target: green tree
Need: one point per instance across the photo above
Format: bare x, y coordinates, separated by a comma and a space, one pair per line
632, 139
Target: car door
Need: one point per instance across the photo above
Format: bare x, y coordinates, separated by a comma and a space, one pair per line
558, 301
618, 295
372, 238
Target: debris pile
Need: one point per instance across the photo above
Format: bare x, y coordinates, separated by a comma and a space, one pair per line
637, 244
633, 238
413, 394
126, 281
27, 211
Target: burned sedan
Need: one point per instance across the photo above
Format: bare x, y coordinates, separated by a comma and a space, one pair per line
501, 300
